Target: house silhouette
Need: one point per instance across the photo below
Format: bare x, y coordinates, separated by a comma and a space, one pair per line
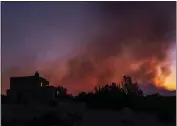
30, 89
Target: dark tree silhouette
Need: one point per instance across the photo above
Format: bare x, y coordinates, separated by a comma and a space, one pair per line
115, 96
61, 91
131, 88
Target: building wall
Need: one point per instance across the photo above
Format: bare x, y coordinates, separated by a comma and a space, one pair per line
30, 89
43, 94
47, 93
24, 83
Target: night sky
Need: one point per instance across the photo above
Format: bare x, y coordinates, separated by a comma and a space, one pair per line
83, 44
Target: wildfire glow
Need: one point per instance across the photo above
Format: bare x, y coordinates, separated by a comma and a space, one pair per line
170, 82
167, 82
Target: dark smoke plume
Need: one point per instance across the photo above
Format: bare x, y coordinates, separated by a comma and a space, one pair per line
134, 38
131, 38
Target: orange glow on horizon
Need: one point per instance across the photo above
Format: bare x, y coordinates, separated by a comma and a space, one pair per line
168, 82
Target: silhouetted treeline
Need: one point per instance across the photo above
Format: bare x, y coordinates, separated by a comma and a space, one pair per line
127, 94
113, 96
117, 96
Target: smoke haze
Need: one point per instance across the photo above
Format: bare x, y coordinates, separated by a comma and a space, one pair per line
122, 38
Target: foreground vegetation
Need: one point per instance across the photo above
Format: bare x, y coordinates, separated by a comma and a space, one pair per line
127, 94
113, 97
